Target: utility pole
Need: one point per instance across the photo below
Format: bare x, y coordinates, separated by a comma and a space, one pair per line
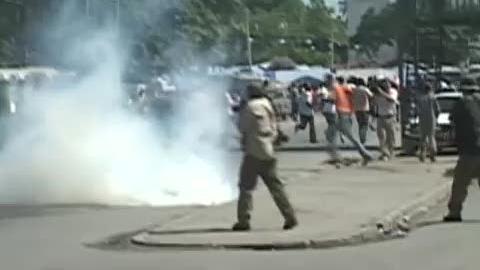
87, 8
417, 54
118, 13
469, 52
332, 51
249, 40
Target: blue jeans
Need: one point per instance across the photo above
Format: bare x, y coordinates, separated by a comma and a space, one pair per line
331, 133
344, 125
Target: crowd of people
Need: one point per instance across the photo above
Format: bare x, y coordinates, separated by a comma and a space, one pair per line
341, 102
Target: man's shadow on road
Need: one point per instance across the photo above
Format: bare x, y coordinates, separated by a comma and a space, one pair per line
431, 223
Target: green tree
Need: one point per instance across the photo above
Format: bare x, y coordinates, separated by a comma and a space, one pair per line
9, 29
278, 28
300, 31
427, 28
181, 32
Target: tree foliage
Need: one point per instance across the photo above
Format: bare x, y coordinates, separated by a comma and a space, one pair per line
427, 28
8, 37
171, 32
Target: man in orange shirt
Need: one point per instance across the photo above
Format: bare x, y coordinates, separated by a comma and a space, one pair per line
345, 110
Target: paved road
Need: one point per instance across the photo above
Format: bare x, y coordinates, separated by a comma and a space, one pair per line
53, 241
331, 204
53, 238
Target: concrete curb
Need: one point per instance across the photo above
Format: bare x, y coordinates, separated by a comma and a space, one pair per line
384, 230
391, 226
412, 210
363, 237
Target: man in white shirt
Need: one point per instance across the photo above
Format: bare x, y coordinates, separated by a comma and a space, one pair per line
386, 101
361, 104
305, 110
329, 111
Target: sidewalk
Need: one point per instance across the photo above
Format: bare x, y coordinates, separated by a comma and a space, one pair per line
334, 207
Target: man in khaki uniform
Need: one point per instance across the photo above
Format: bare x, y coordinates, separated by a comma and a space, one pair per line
466, 118
258, 127
428, 111
386, 100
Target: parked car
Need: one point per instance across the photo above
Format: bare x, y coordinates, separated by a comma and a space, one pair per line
445, 133
474, 69
451, 74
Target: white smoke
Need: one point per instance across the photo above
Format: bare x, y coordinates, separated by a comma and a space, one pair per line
79, 144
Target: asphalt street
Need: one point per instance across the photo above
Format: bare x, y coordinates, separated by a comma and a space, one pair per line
55, 241
55, 238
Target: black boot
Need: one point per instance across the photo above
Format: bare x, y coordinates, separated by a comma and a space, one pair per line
452, 219
290, 224
241, 227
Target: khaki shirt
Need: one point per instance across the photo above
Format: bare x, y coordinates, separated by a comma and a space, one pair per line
259, 128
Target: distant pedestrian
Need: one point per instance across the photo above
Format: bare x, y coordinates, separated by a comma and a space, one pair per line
329, 111
258, 127
428, 111
344, 106
361, 103
281, 137
386, 101
293, 96
316, 98
352, 82
305, 110
466, 119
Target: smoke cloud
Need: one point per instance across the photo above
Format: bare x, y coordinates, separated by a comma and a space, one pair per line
79, 143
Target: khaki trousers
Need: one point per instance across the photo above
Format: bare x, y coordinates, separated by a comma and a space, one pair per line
386, 135
267, 169
428, 142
